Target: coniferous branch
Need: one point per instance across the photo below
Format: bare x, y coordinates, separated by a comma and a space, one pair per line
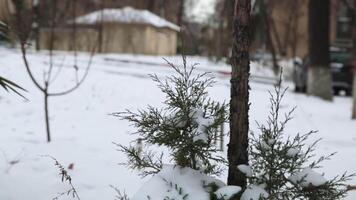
187, 123
5, 83
275, 159
119, 195
11, 86
147, 161
65, 177
177, 188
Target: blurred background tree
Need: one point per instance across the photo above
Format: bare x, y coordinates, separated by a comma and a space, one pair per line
319, 74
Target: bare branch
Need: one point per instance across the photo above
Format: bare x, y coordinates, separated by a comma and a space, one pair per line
28, 69
80, 81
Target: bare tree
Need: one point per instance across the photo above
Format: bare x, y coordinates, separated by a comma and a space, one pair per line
180, 13
319, 74
281, 34
239, 103
224, 10
268, 25
351, 4
220, 10
101, 27
354, 56
291, 27
50, 75
294, 36
286, 36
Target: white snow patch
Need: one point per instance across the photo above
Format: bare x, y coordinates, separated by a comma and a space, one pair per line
172, 180
203, 123
292, 152
227, 192
125, 15
80, 122
254, 192
265, 146
271, 141
245, 169
308, 177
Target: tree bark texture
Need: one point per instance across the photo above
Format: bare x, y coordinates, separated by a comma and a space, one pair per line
354, 58
319, 74
354, 97
239, 104
180, 14
319, 82
46, 111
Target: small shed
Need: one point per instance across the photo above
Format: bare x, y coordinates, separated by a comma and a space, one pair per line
6, 10
125, 30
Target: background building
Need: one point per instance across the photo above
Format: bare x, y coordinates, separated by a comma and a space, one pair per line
288, 26
125, 30
6, 10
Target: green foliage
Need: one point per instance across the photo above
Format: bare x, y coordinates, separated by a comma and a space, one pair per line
212, 188
3, 31
10, 86
5, 83
282, 167
120, 195
147, 161
178, 189
187, 124
275, 159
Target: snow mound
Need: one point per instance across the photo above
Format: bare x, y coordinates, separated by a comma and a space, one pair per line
246, 170
227, 192
125, 15
254, 192
308, 177
174, 182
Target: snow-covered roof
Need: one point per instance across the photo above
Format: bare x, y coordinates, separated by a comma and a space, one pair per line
125, 15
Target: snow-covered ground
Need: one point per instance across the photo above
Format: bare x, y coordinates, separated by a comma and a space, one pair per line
83, 131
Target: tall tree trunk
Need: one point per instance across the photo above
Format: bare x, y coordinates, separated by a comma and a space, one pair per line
319, 74
354, 96
219, 49
180, 13
354, 58
36, 24
239, 104
150, 5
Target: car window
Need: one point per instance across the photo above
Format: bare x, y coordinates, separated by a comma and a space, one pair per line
339, 57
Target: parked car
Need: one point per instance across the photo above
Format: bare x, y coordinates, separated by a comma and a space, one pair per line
341, 69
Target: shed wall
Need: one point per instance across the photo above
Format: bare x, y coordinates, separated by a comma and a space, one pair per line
116, 38
63, 39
